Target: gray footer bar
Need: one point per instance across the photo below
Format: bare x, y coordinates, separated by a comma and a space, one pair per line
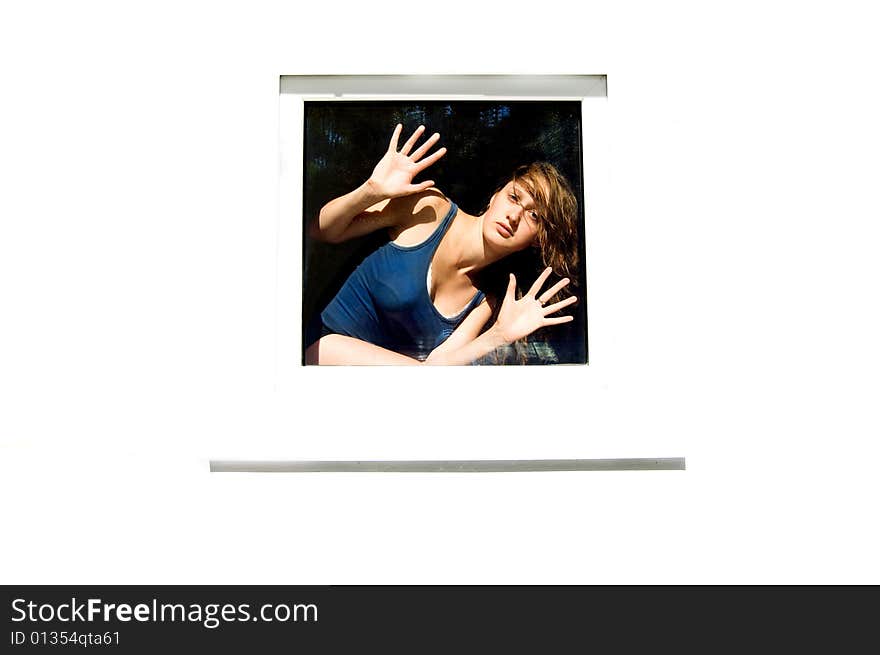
449, 466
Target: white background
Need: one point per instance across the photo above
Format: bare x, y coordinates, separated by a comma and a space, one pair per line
733, 307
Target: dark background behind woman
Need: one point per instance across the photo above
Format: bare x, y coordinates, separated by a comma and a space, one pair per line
485, 142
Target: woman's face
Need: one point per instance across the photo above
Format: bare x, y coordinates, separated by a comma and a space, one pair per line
511, 221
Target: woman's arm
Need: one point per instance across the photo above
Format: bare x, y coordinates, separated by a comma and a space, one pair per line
387, 198
466, 344
462, 347
516, 319
337, 217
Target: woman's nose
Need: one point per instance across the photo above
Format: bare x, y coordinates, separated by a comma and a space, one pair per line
514, 216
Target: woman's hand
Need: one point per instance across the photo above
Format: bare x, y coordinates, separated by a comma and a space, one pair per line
519, 318
393, 175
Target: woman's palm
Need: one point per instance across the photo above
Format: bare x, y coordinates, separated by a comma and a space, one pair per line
394, 174
519, 318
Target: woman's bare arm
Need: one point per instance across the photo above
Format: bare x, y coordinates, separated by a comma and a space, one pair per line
461, 347
337, 349
338, 216
387, 198
516, 319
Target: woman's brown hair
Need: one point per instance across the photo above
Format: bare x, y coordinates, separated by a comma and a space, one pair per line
557, 236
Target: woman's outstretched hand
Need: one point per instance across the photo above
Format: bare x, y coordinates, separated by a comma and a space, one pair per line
393, 175
519, 318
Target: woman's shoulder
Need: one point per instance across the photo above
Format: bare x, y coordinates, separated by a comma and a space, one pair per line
435, 199
429, 200
426, 209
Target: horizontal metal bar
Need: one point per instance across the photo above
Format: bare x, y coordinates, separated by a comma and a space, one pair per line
489, 85
449, 466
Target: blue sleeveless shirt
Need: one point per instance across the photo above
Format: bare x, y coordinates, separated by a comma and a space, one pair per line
385, 301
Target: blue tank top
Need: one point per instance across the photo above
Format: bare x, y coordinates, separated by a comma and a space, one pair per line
385, 301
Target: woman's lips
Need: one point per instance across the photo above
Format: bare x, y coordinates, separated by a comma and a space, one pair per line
503, 230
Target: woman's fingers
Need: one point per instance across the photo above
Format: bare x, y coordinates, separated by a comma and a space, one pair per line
427, 161
557, 321
425, 147
392, 146
533, 291
422, 186
412, 140
511, 287
552, 291
555, 307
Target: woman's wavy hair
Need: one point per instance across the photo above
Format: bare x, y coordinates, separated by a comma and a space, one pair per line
556, 244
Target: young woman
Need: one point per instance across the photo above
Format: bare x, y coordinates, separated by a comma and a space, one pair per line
424, 297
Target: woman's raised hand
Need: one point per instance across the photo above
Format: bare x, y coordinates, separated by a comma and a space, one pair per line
519, 318
393, 175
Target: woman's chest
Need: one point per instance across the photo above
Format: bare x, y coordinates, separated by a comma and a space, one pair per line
450, 290
416, 281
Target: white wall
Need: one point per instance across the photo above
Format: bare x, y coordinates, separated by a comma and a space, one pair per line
733, 307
